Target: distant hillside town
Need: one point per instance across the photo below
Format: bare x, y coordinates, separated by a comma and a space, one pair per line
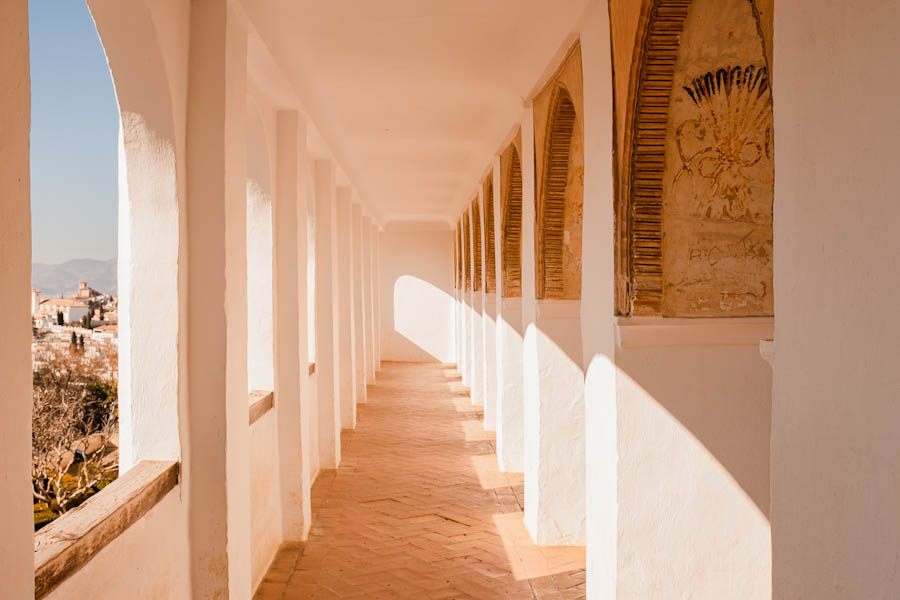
87, 320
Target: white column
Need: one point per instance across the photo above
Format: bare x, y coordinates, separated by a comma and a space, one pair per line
344, 309
359, 320
469, 373
488, 320
217, 468
554, 391
376, 291
328, 368
598, 308
16, 547
368, 300
286, 216
306, 198
477, 299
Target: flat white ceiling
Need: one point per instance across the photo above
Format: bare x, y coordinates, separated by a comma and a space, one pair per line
414, 96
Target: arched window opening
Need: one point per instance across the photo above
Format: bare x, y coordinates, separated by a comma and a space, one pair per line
476, 231
511, 255
74, 300
490, 267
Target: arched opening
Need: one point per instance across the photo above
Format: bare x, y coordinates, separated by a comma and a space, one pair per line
260, 347
74, 302
559, 210
511, 256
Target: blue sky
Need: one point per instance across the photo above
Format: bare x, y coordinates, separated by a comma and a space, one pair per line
74, 132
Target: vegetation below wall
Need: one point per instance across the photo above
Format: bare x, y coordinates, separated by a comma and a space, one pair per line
74, 431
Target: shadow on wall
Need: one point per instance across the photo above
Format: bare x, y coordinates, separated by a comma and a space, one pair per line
720, 397
423, 316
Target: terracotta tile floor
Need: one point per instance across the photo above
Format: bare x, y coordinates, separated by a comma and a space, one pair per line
418, 508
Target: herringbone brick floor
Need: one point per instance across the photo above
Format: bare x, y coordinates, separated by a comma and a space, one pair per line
418, 508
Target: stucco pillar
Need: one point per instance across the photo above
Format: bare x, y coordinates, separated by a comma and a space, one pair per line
598, 307
554, 391
359, 320
835, 449
476, 333
368, 300
488, 321
286, 217
328, 368
376, 291
16, 548
306, 199
509, 404
344, 309
217, 469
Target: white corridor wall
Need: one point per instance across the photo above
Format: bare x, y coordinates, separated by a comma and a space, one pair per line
417, 302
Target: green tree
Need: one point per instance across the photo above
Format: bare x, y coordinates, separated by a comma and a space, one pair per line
74, 339
59, 318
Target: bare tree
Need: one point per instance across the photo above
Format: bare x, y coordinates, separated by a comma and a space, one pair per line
74, 417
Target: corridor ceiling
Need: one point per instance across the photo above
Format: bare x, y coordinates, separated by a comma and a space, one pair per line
414, 96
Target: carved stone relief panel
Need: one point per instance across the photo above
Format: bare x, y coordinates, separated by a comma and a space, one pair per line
719, 179
511, 226
490, 267
701, 164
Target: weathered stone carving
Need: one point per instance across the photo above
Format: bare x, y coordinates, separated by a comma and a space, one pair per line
511, 187
560, 183
702, 170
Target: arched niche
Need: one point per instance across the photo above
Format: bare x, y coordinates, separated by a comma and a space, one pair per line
476, 253
559, 171
511, 224
490, 266
467, 250
459, 258
698, 175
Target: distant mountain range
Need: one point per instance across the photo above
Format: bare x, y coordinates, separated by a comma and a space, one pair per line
62, 279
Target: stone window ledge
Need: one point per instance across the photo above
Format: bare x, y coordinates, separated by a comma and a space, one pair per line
659, 332
261, 402
71, 541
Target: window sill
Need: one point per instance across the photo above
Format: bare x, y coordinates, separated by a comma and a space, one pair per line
261, 402
71, 541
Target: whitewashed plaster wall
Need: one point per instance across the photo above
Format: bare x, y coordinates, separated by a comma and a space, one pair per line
693, 471
417, 307
835, 448
598, 308
265, 501
141, 563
